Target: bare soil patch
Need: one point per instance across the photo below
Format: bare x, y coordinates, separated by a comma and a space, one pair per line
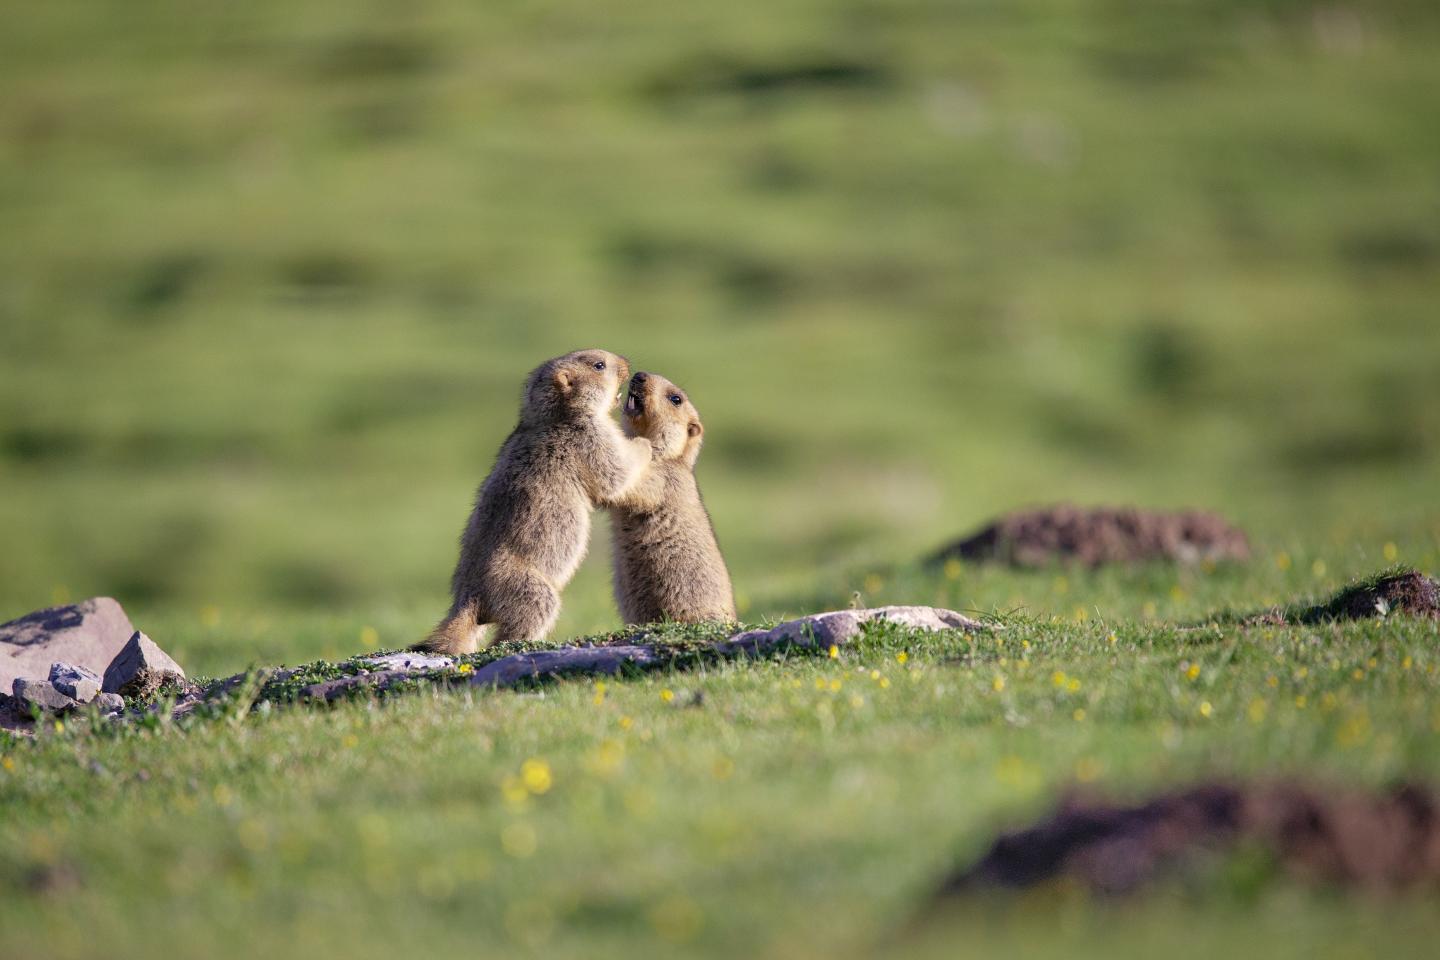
1097, 536
1383, 842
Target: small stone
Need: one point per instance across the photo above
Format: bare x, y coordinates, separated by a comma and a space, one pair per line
409, 661
141, 668
73, 681
109, 703
41, 694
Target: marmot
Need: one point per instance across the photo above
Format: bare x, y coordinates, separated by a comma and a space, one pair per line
667, 562
531, 522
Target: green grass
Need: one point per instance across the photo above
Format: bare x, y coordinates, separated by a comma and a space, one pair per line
803, 805
271, 277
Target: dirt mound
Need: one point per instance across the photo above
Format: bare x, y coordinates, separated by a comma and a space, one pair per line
1100, 535
1405, 591
1381, 842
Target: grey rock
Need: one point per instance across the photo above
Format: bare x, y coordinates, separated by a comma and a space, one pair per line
818, 630
341, 687
87, 634
186, 706
141, 668
508, 671
409, 661
109, 703
840, 626
73, 681
41, 694
925, 618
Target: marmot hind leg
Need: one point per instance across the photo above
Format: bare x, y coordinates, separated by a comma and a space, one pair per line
525, 608
459, 633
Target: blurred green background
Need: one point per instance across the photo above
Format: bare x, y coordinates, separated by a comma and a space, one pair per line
271, 276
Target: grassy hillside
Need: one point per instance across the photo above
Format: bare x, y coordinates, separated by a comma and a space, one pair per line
807, 806
272, 279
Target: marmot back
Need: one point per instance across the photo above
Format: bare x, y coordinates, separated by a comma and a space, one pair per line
667, 562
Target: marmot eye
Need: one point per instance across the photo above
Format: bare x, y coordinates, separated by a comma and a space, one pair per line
599, 364
675, 399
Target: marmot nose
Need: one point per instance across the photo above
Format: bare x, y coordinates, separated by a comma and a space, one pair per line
640, 377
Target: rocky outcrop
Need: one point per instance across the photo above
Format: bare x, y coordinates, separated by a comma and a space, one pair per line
88, 654
31, 696
820, 630
68, 689
87, 634
141, 668
75, 682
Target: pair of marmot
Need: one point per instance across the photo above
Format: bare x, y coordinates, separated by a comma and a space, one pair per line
531, 522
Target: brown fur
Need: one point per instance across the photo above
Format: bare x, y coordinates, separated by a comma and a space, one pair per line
667, 562
531, 522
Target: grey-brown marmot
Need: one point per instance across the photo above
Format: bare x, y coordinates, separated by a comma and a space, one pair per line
531, 523
667, 562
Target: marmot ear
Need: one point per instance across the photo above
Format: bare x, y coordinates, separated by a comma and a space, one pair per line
562, 381
695, 429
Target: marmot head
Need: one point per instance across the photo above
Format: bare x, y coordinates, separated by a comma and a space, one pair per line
583, 382
660, 412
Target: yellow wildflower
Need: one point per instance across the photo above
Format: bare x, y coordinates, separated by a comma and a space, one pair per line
1205, 708
667, 695
834, 652
998, 684
901, 657
536, 775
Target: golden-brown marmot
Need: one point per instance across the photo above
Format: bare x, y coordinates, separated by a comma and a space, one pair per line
667, 562
531, 522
